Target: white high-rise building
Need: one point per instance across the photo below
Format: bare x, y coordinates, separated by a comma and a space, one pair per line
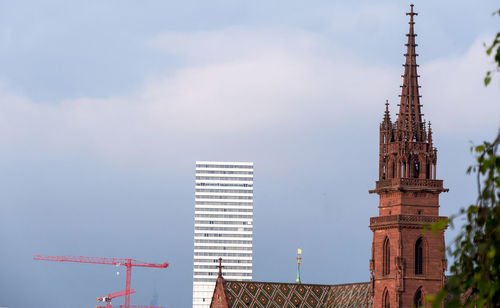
223, 225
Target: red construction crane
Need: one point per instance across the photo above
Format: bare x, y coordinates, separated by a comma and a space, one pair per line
110, 261
110, 296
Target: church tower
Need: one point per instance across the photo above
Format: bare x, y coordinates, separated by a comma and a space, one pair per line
407, 262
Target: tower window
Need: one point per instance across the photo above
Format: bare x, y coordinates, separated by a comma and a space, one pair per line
386, 262
386, 301
416, 170
419, 257
418, 299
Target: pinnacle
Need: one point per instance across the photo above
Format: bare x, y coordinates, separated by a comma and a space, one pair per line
387, 116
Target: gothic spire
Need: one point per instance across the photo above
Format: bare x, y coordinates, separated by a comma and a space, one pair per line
409, 120
387, 116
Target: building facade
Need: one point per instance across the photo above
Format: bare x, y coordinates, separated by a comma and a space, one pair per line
223, 225
407, 263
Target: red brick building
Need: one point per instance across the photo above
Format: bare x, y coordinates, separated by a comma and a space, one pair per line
407, 263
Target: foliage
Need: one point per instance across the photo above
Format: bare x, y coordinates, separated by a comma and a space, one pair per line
493, 49
475, 273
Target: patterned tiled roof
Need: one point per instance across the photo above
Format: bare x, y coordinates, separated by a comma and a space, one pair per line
351, 295
251, 294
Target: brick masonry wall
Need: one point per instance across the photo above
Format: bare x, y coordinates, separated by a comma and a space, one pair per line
402, 244
400, 202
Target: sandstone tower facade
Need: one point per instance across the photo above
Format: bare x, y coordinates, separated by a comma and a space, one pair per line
407, 263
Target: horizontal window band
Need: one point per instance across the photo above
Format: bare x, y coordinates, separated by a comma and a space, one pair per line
224, 166
205, 209
223, 184
223, 229
226, 267
243, 203
220, 222
235, 248
223, 172
226, 191
216, 274
225, 235
226, 261
222, 197
222, 216
224, 178
223, 254
222, 241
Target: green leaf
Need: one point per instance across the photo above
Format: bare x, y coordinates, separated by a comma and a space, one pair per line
491, 253
439, 225
487, 81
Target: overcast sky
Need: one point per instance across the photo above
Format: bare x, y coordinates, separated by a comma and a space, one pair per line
106, 105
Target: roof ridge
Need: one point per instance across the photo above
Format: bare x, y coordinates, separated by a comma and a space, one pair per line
296, 284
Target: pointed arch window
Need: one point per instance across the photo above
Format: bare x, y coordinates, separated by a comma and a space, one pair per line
386, 257
386, 301
419, 257
416, 169
418, 299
